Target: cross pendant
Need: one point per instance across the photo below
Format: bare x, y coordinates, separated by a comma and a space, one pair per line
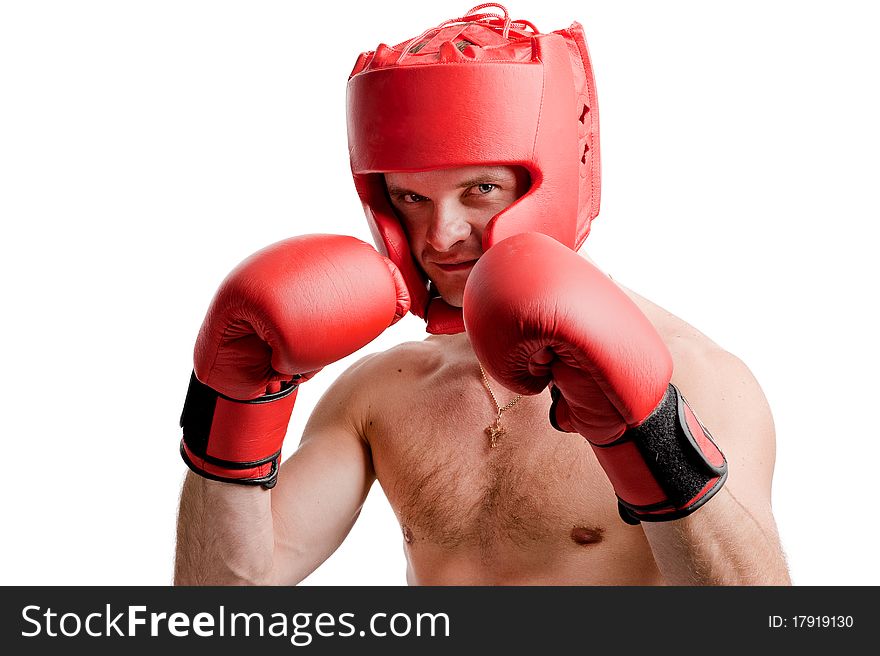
494, 432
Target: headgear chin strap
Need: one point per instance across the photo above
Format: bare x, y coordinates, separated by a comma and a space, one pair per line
477, 90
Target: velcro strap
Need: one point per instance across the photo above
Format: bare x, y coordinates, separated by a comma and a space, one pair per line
665, 468
233, 440
265, 474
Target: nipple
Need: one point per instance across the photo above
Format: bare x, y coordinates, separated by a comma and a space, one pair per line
585, 535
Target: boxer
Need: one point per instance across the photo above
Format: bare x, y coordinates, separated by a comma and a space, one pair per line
554, 428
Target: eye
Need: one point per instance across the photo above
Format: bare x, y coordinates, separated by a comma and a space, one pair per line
486, 187
411, 198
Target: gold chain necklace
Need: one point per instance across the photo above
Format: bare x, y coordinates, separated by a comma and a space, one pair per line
496, 430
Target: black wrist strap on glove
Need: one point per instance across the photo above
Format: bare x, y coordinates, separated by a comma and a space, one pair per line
232, 440
679, 454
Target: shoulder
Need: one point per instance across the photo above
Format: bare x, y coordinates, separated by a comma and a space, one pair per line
697, 357
725, 395
375, 381
408, 358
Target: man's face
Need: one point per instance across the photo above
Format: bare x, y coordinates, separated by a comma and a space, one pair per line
444, 213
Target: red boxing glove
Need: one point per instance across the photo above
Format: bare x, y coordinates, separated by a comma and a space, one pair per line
277, 319
537, 313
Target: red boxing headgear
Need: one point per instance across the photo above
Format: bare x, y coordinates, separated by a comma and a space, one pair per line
478, 90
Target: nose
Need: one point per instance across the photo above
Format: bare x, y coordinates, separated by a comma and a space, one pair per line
449, 226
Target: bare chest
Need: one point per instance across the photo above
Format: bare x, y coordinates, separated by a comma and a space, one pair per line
450, 489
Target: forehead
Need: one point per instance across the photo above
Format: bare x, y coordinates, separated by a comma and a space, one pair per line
450, 177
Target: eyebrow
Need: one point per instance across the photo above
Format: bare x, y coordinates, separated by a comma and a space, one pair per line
482, 179
397, 191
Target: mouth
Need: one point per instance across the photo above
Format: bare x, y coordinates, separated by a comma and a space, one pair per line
455, 266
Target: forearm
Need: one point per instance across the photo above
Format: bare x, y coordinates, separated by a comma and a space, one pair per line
224, 534
720, 544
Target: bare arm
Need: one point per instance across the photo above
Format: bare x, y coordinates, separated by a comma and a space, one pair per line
732, 540
230, 534
224, 534
724, 543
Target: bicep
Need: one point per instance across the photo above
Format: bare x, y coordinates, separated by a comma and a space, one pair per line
727, 398
321, 486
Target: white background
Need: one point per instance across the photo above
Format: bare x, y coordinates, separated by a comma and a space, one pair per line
147, 147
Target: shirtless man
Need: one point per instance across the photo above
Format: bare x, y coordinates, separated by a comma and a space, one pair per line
498, 468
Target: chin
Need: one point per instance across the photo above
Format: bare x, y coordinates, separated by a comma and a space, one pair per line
452, 294
453, 299
449, 284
